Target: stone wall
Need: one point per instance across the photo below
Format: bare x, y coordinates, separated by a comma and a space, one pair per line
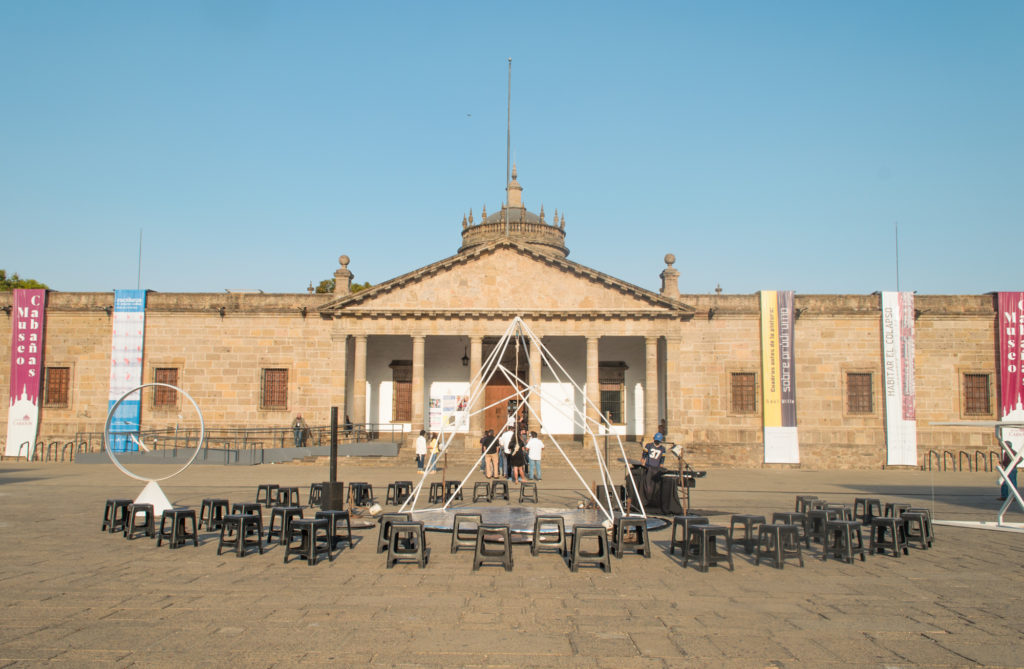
222, 341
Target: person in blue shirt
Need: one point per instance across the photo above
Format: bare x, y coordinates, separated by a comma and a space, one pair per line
654, 453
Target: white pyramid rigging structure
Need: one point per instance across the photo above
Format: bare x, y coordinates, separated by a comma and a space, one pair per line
517, 335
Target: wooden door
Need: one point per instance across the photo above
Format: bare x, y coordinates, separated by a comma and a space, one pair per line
496, 416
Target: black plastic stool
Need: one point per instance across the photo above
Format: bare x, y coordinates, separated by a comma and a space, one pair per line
212, 512
528, 492
915, 528
309, 545
493, 534
462, 538
316, 494
600, 557
748, 522
866, 508
929, 531
234, 530
360, 493
132, 524
794, 518
481, 491
114, 515
386, 520
452, 490
436, 495
407, 544
839, 540
252, 508
706, 539
777, 542
503, 485
638, 525
287, 514
539, 543
888, 533
803, 503
682, 540
333, 517
178, 533
266, 494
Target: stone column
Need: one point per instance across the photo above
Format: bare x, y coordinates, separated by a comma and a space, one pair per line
358, 406
650, 386
476, 416
418, 344
593, 384
674, 388
339, 371
535, 374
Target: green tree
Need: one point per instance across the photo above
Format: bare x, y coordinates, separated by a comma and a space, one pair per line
327, 286
8, 283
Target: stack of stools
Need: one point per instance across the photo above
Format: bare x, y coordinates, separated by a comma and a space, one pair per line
436, 495
132, 523
918, 525
333, 517
493, 534
115, 515
839, 540
316, 494
360, 493
497, 485
803, 503
398, 492
539, 543
236, 527
392, 493
637, 527
748, 522
706, 539
177, 533
212, 512
386, 520
528, 492
600, 557
682, 539
778, 542
266, 494
888, 532
794, 518
481, 491
287, 514
407, 544
452, 490
465, 538
866, 508
309, 546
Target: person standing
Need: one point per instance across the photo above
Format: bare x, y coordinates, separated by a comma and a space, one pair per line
421, 451
533, 448
433, 453
504, 448
491, 455
299, 429
517, 458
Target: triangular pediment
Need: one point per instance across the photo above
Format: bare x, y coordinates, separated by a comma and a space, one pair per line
506, 277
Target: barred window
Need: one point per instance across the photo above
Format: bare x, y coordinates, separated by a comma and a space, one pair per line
165, 398
274, 389
401, 401
743, 392
858, 393
57, 388
976, 395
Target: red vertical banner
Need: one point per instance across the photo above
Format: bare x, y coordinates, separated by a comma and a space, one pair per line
29, 318
1011, 381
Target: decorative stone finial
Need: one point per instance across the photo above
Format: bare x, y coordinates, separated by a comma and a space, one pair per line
541, 213
670, 278
515, 191
718, 289
562, 224
483, 214
463, 221
471, 216
342, 278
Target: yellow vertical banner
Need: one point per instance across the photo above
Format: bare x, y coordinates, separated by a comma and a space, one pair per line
771, 391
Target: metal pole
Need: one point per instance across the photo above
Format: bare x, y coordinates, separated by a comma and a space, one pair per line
334, 444
508, 143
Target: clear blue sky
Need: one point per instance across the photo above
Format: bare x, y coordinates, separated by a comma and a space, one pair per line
769, 145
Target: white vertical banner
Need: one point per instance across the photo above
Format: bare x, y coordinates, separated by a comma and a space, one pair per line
898, 363
126, 341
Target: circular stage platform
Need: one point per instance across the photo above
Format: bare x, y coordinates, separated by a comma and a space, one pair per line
519, 519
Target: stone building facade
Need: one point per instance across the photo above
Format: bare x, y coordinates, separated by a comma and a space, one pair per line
692, 362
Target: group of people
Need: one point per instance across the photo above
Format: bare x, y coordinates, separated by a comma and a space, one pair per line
423, 448
511, 456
